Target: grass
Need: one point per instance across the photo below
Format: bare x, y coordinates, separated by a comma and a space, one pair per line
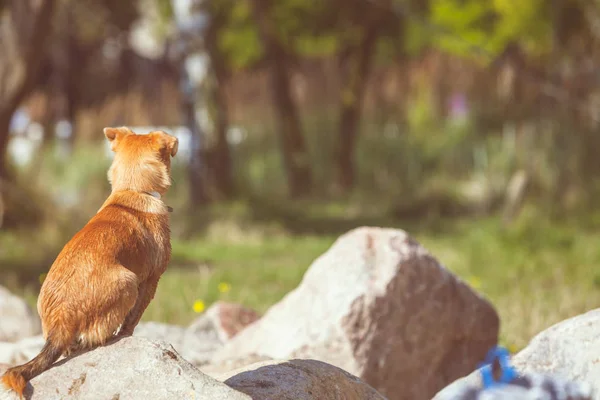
256, 274
536, 273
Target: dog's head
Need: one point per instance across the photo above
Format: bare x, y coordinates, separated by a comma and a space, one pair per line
141, 162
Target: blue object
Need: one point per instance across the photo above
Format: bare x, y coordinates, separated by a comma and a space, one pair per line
508, 372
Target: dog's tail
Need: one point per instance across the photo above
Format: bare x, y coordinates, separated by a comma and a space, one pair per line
16, 378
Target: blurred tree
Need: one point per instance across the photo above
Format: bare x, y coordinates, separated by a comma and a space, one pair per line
270, 17
359, 27
219, 72
90, 60
187, 47
25, 28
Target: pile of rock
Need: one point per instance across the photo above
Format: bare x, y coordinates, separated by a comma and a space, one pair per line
374, 317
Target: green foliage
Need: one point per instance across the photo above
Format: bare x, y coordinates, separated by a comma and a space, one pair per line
489, 24
238, 35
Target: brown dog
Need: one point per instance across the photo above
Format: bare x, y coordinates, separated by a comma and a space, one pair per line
106, 275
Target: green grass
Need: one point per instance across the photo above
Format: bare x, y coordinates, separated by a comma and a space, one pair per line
259, 273
536, 272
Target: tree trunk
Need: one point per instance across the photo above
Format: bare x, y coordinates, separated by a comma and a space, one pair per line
222, 170
5, 118
295, 155
196, 166
351, 106
24, 32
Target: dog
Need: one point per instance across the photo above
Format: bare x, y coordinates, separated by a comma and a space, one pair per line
104, 278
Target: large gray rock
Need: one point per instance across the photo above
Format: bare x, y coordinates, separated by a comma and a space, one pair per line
22, 351
130, 369
205, 335
298, 380
17, 320
527, 386
195, 348
224, 319
568, 353
196, 343
379, 306
569, 349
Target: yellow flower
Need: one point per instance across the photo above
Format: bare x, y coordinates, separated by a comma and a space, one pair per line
474, 282
199, 306
224, 287
42, 277
512, 348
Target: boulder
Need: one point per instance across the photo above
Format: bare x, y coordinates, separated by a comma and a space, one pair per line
18, 319
196, 343
195, 348
527, 386
226, 319
380, 307
207, 334
298, 380
132, 368
568, 353
569, 349
22, 351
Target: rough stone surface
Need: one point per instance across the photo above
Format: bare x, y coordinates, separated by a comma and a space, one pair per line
195, 348
18, 320
226, 319
379, 306
569, 349
196, 343
22, 351
527, 386
130, 369
226, 366
207, 334
299, 380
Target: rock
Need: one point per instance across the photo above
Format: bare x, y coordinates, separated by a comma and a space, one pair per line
207, 334
157, 331
299, 380
226, 319
225, 366
18, 319
567, 352
195, 348
196, 344
132, 368
530, 386
569, 349
379, 306
21, 351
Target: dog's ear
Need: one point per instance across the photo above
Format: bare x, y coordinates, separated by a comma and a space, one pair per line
115, 135
171, 143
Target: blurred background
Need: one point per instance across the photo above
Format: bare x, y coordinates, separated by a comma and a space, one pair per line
472, 124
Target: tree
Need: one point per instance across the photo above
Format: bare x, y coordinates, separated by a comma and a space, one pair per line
366, 23
25, 29
221, 165
294, 149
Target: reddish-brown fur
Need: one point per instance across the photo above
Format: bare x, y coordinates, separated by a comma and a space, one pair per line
106, 275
